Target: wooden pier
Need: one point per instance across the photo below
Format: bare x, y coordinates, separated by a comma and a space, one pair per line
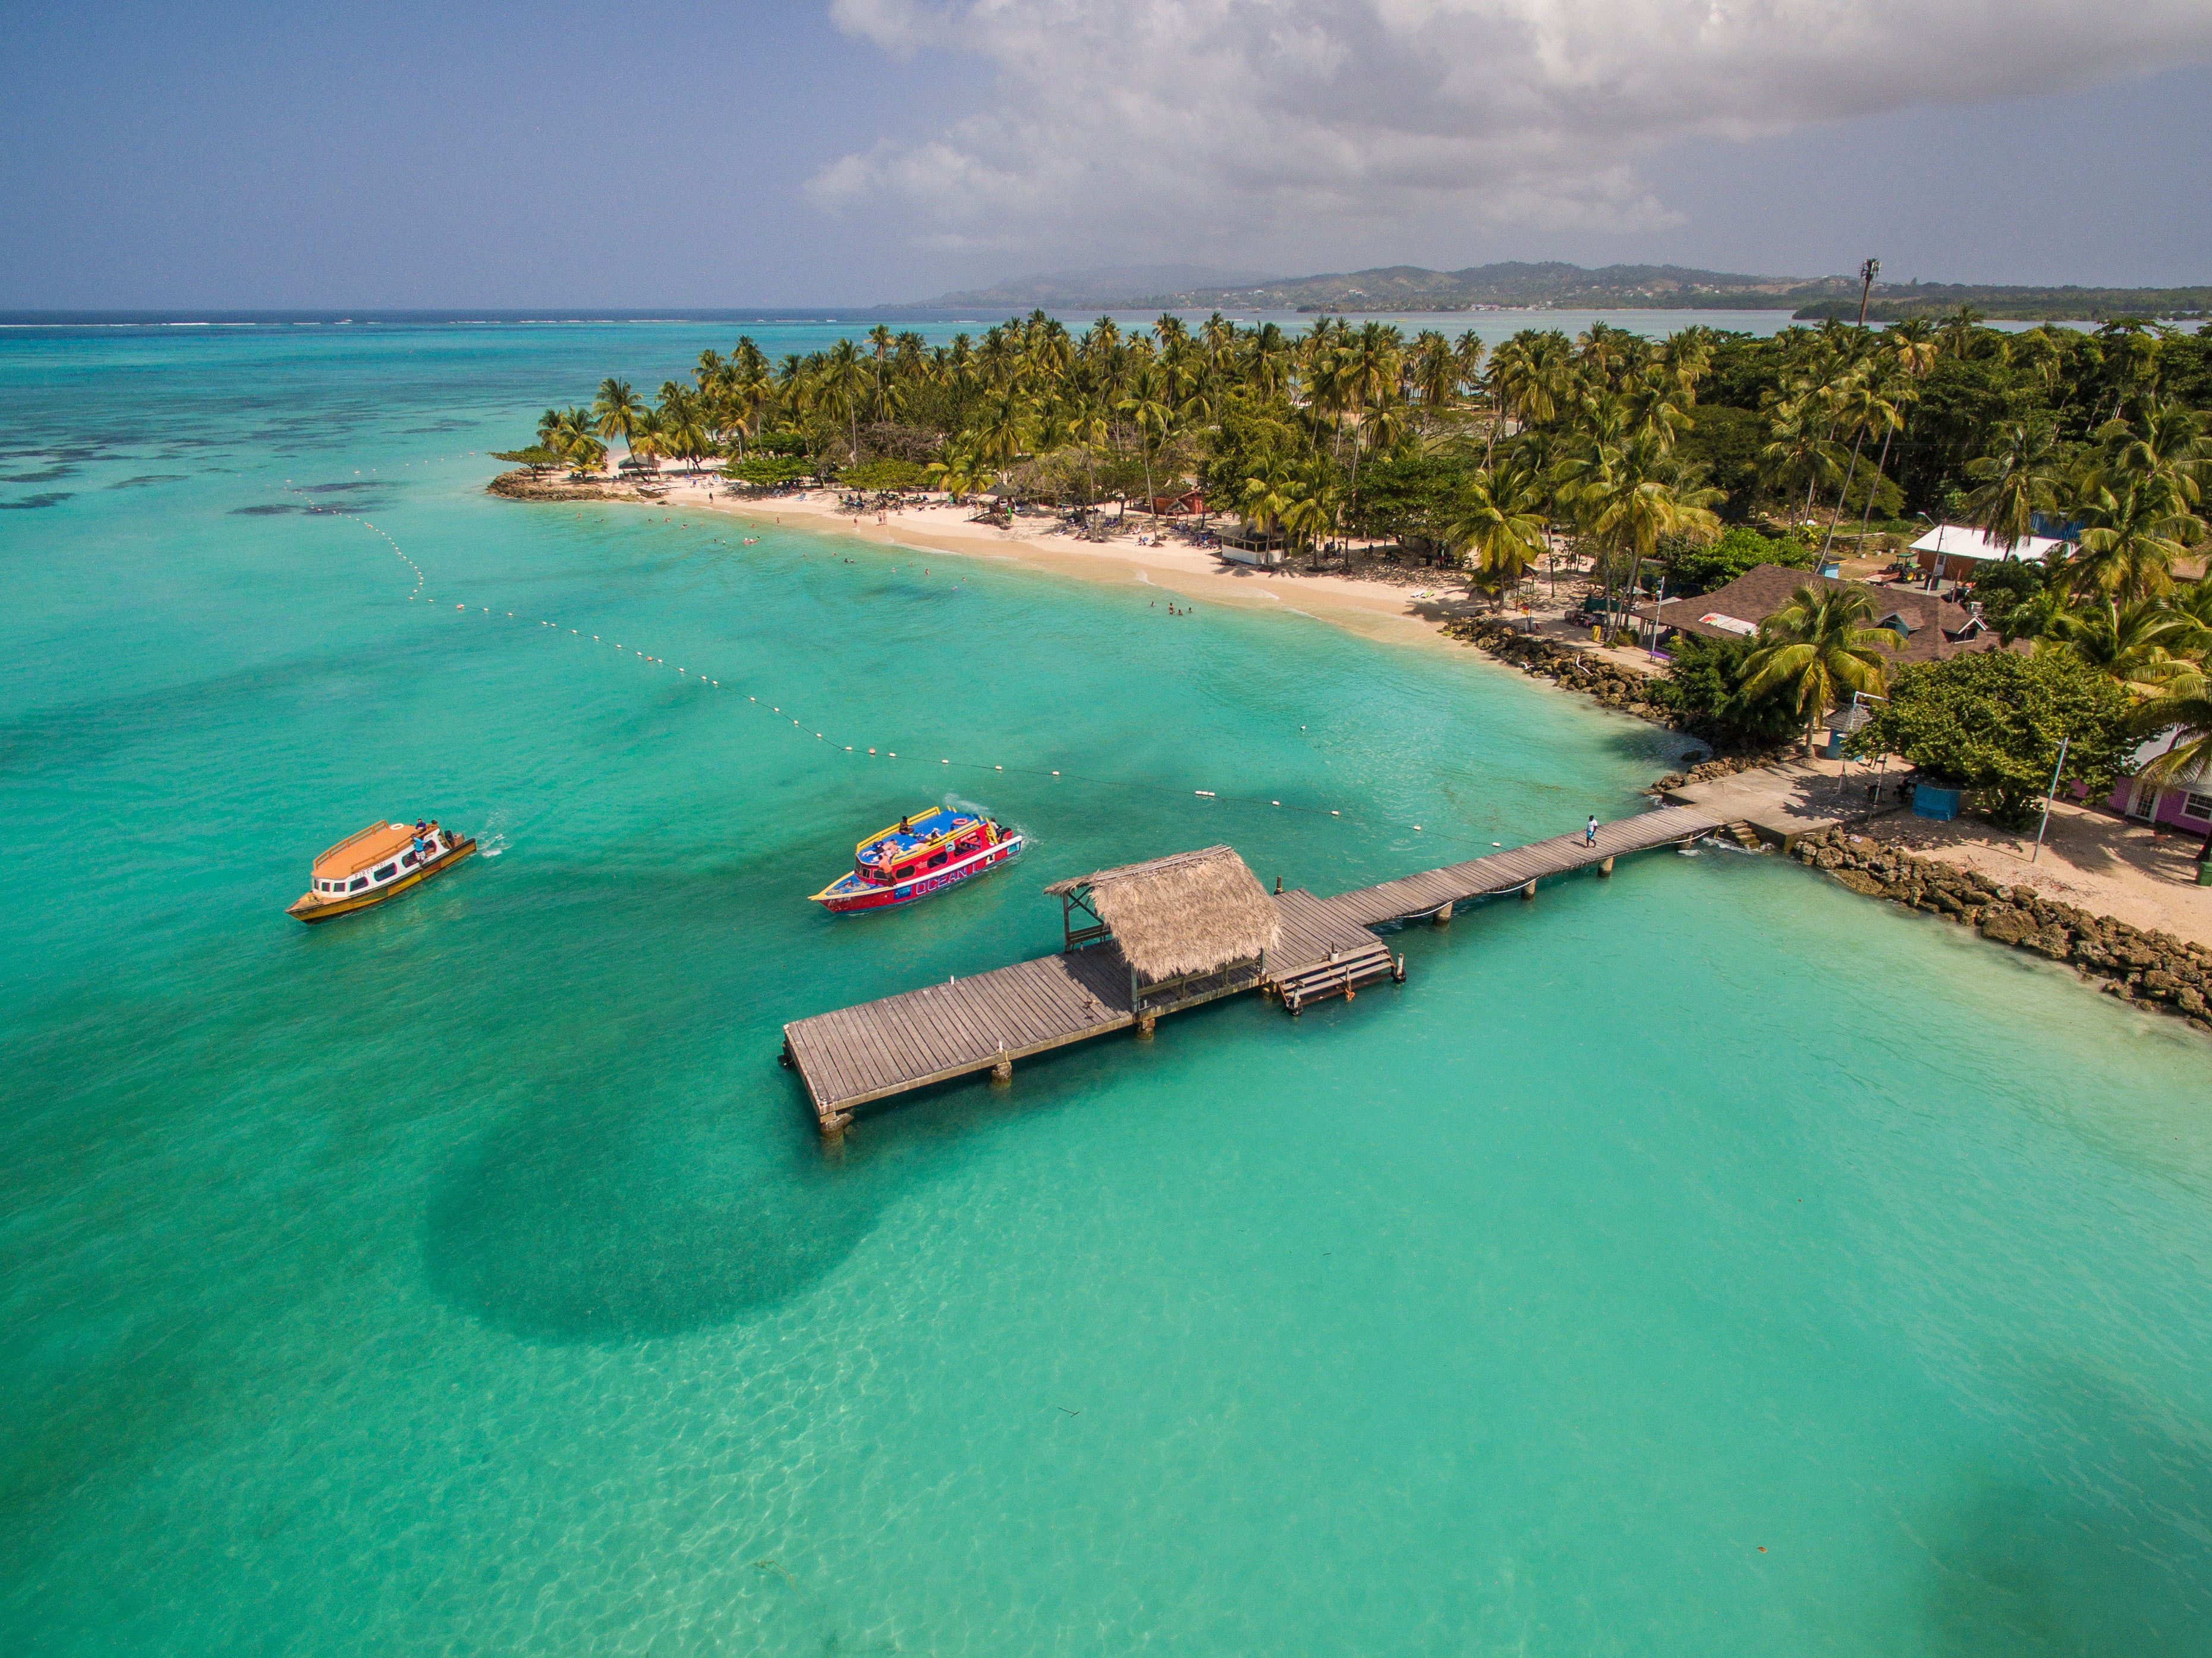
1186, 946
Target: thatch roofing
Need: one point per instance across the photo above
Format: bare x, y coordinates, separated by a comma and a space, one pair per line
1189, 912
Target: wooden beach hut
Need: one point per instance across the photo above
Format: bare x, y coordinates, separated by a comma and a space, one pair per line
1177, 920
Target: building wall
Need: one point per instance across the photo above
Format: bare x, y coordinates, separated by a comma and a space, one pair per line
2171, 808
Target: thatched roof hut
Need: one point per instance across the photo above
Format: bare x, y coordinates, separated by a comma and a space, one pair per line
1192, 912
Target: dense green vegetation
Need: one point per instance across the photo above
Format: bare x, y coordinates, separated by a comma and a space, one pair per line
1678, 464
1994, 722
1631, 451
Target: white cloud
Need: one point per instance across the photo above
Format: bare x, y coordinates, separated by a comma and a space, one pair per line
1266, 129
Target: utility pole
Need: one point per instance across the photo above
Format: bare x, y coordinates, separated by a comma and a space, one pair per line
1868, 272
2045, 823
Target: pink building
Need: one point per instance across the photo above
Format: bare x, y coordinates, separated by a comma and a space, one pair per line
2182, 802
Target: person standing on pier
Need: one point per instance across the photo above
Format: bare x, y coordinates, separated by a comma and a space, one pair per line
1589, 834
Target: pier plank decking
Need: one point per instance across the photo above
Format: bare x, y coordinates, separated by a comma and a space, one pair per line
855, 1055
1502, 871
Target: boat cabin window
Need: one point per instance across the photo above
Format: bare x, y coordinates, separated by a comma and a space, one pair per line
938, 859
385, 872
357, 884
406, 858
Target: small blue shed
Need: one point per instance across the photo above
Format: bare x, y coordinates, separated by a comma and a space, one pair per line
1940, 803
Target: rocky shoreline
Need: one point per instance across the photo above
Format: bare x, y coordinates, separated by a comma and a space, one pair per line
520, 485
1609, 682
2153, 970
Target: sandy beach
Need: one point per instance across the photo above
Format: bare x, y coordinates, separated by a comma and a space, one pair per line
2090, 858
1406, 610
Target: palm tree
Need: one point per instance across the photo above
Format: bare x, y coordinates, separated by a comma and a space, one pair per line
1912, 346
844, 381
961, 472
2164, 449
880, 346
1433, 370
618, 409
575, 441
1865, 410
1299, 501
1087, 427
1148, 411
1467, 352
1798, 449
1501, 521
1652, 498
649, 438
2018, 479
1959, 330
2132, 532
1006, 431
2137, 643
1818, 646
1307, 515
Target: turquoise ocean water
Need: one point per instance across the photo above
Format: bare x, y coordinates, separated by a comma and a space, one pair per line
1704, 1261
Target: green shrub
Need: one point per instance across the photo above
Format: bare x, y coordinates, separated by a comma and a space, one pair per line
1992, 722
1704, 684
885, 475
1700, 569
767, 472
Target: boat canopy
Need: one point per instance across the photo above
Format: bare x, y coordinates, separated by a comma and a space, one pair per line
920, 831
358, 852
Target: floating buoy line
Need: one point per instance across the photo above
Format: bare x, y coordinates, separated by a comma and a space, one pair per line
708, 683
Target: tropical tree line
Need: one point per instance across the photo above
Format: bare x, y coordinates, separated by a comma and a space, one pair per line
1630, 453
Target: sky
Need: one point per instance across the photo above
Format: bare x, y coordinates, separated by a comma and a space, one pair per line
855, 152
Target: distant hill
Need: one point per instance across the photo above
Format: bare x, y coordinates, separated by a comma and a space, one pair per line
1892, 301
1107, 285
1553, 285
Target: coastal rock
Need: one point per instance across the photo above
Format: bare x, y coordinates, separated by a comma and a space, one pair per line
520, 485
2153, 970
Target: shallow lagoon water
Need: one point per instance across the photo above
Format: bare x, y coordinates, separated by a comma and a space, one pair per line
466, 1276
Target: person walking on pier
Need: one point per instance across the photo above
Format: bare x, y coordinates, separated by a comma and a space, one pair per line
1589, 834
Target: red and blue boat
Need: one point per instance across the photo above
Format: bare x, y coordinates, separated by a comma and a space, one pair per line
918, 857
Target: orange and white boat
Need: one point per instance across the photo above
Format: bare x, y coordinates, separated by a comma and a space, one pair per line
381, 862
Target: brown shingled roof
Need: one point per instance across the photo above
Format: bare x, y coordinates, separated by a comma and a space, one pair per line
1935, 622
